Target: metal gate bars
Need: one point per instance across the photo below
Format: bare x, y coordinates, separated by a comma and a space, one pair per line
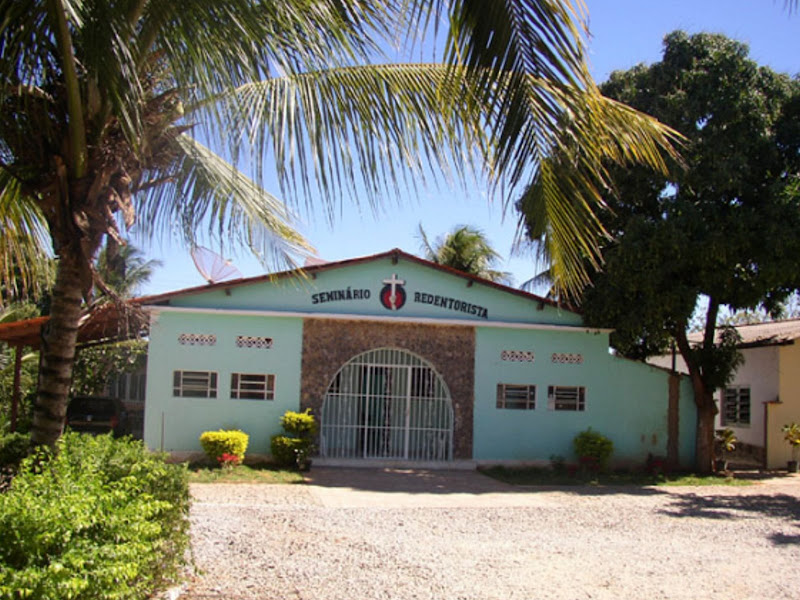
390, 404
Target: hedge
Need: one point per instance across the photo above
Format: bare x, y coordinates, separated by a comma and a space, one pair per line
99, 519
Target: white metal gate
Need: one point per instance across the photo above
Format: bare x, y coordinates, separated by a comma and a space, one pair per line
387, 403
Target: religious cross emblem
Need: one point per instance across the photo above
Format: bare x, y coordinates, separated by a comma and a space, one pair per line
393, 296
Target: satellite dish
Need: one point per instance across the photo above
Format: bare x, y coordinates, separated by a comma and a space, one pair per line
212, 266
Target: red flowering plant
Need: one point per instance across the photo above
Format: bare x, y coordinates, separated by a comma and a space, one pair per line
228, 461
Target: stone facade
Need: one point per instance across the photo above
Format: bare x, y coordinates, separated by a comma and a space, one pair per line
330, 344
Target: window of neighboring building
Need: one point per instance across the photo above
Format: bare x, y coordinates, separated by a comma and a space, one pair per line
560, 397
194, 384
252, 386
128, 387
736, 406
516, 396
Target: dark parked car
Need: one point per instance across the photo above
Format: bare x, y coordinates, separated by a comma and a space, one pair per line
97, 414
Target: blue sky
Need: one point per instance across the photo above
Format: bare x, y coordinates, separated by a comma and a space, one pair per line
622, 33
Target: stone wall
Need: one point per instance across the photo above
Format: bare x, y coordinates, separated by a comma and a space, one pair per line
329, 344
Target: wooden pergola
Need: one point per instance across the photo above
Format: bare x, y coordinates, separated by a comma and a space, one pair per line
103, 324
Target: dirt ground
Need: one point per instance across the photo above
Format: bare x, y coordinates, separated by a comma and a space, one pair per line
362, 534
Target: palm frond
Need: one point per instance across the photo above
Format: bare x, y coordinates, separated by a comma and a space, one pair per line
199, 192
560, 208
511, 46
24, 269
360, 131
428, 251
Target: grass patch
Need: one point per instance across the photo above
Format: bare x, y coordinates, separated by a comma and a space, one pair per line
545, 476
243, 474
692, 479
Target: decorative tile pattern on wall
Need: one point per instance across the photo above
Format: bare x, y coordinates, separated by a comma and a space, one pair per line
253, 341
197, 339
567, 358
517, 355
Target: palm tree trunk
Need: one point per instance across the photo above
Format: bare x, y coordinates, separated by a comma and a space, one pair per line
59, 339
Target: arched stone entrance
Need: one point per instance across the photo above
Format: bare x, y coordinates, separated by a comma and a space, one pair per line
387, 403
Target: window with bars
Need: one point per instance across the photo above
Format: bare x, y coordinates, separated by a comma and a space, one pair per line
252, 386
514, 396
128, 387
560, 397
736, 406
194, 384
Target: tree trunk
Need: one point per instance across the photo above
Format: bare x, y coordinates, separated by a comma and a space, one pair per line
59, 339
704, 452
706, 407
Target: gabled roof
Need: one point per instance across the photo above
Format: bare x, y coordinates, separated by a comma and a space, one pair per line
108, 323
311, 270
772, 333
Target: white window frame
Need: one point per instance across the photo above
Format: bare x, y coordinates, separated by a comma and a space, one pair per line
737, 396
194, 384
252, 386
516, 396
571, 398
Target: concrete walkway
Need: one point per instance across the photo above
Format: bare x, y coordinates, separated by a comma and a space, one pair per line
336, 487
401, 488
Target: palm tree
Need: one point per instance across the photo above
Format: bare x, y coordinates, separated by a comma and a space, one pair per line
124, 269
465, 249
104, 104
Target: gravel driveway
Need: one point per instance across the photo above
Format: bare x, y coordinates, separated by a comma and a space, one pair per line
364, 534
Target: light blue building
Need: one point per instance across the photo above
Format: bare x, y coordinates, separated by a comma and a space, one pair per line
401, 360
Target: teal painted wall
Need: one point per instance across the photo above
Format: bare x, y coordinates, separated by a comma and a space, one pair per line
422, 285
625, 400
688, 424
184, 419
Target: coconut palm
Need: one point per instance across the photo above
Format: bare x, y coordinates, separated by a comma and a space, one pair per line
124, 269
126, 111
465, 249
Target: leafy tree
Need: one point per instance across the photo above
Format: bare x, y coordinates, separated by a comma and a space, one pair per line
721, 229
95, 365
465, 249
103, 103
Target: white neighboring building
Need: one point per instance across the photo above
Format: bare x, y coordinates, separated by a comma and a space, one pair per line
765, 392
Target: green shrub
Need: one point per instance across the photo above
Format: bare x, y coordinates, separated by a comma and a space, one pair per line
593, 449
102, 518
13, 448
293, 449
217, 443
285, 449
299, 424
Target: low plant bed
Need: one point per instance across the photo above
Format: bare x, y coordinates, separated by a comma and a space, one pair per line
546, 476
260, 473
